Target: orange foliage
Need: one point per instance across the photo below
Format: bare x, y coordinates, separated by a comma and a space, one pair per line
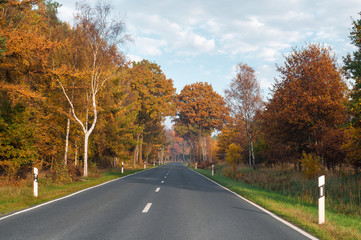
308, 102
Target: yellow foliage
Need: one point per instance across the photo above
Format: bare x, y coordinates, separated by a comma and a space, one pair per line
311, 165
233, 154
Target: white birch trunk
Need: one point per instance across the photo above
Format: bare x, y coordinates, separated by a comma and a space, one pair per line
86, 138
67, 142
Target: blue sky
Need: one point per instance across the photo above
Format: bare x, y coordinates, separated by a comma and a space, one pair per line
203, 40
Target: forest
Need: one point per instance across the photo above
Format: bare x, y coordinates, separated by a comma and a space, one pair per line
71, 101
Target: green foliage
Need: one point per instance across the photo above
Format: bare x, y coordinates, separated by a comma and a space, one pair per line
17, 151
311, 165
352, 68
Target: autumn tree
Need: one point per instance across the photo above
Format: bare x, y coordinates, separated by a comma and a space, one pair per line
352, 69
200, 110
233, 156
189, 136
244, 98
308, 101
99, 36
233, 131
155, 96
29, 131
113, 136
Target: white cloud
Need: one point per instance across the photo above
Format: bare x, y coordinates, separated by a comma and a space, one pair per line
66, 13
187, 33
180, 40
134, 58
150, 46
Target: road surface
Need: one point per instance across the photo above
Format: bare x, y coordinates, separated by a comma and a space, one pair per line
167, 202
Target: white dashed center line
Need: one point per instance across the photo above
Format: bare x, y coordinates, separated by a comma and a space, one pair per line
157, 190
162, 181
146, 209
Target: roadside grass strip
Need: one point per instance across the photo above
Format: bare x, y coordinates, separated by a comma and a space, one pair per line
303, 215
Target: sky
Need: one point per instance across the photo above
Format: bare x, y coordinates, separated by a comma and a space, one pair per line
203, 40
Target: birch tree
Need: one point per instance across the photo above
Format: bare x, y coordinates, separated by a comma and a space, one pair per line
244, 98
99, 36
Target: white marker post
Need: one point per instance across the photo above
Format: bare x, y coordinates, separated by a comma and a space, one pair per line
321, 200
196, 166
153, 163
212, 169
36, 182
122, 167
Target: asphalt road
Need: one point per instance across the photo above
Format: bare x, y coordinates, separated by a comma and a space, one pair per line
167, 202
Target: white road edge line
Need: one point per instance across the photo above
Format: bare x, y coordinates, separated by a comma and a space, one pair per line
70, 195
146, 209
157, 190
263, 209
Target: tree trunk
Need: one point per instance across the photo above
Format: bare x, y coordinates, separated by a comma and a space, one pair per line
183, 149
86, 138
249, 153
253, 158
162, 155
136, 151
211, 154
135, 155
141, 150
76, 154
67, 142
204, 148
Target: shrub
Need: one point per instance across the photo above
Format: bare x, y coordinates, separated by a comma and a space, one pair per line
311, 165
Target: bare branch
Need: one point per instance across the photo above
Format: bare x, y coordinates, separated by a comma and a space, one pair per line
71, 106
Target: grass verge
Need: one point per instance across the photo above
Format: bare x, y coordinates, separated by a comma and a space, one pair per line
14, 198
305, 216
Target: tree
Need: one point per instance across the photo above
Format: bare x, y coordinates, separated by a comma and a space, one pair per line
244, 98
201, 111
155, 96
30, 122
352, 69
99, 37
233, 155
232, 132
308, 101
113, 137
